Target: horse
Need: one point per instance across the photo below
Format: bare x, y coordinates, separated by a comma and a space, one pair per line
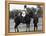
22, 18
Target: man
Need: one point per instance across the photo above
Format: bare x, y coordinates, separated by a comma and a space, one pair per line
35, 23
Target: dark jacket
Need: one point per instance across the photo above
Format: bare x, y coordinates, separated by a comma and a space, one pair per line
35, 20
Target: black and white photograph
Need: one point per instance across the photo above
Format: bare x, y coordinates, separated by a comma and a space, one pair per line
25, 18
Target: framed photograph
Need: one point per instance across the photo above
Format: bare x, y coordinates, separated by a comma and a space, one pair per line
24, 17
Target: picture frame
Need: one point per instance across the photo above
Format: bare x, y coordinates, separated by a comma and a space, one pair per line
7, 23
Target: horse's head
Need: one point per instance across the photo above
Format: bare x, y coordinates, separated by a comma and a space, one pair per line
23, 13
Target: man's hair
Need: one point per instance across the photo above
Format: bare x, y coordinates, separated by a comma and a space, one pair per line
25, 6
